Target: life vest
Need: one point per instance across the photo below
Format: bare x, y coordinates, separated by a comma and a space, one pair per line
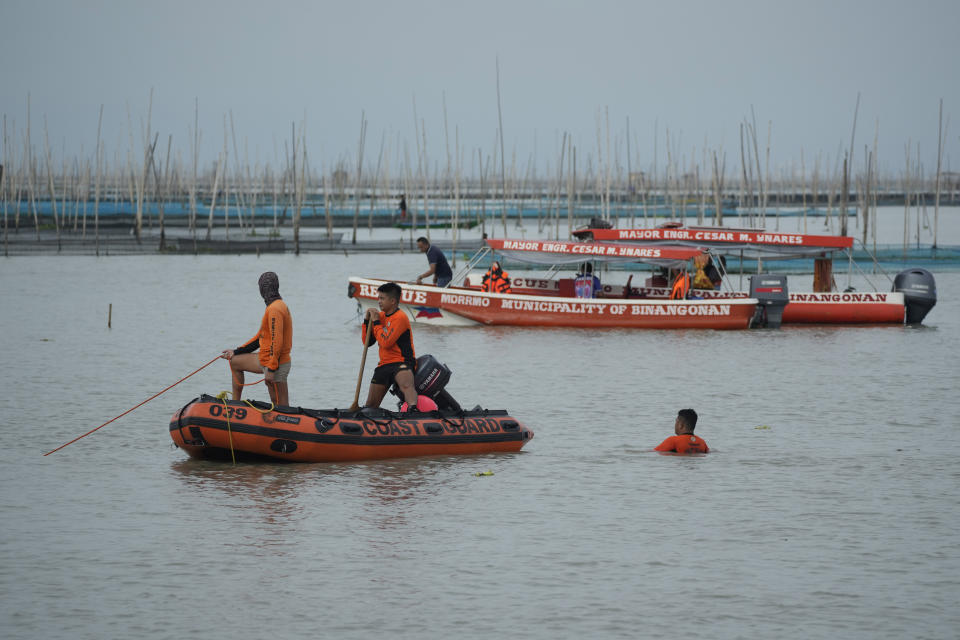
496, 281
681, 286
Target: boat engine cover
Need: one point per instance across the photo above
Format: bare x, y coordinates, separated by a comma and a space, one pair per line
919, 291
771, 293
432, 376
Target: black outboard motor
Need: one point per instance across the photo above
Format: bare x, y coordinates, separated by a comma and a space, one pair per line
919, 291
771, 293
430, 379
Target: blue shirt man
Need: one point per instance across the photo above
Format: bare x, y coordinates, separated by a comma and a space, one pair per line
439, 267
587, 285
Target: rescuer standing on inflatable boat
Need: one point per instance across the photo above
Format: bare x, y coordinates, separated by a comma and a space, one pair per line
390, 329
684, 441
274, 340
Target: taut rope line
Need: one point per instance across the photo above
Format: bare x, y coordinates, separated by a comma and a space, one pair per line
132, 408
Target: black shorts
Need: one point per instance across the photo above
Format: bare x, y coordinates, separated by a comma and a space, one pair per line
385, 374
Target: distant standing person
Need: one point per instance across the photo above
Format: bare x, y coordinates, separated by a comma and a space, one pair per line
439, 267
684, 441
585, 284
274, 340
403, 206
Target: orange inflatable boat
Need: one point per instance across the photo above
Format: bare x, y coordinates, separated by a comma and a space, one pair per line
208, 427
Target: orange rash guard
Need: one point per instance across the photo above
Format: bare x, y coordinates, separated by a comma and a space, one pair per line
275, 338
687, 443
394, 338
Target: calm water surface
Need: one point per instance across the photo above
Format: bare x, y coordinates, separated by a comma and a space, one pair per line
839, 518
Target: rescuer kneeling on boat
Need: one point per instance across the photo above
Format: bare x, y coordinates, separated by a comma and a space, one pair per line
391, 331
274, 341
684, 441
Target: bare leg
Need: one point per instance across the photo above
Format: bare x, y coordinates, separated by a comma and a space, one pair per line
282, 397
375, 395
240, 363
272, 390
404, 379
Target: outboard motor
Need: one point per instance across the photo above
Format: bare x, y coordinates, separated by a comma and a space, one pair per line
771, 293
430, 379
919, 291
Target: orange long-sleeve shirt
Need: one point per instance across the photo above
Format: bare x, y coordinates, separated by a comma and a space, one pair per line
394, 337
275, 338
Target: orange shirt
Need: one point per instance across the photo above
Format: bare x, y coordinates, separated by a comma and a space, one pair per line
687, 443
394, 338
275, 335
681, 285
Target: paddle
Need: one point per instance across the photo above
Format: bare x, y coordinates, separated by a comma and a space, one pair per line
363, 361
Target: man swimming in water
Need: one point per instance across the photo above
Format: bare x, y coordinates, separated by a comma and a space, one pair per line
684, 441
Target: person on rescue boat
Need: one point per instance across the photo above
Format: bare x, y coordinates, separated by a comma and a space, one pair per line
390, 330
585, 284
681, 286
274, 340
439, 267
684, 441
496, 279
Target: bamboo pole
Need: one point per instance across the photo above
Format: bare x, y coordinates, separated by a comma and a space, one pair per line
483, 198
356, 183
53, 196
606, 186
407, 179
571, 185
803, 187
936, 202
241, 202
302, 189
3, 191
847, 170
556, 200
456, 190
293, 177
629, 177
3, 184
906, 201
213, 196
717, 188
425, 175
162, 191
503, 175
192, 224
376, 180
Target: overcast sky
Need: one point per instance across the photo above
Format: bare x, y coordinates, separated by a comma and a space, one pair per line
697, 69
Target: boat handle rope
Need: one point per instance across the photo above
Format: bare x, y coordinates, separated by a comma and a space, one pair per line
463, 420
222, 397
135, 407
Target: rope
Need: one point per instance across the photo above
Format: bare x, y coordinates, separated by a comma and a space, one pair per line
132, 408
263, 411
222, 397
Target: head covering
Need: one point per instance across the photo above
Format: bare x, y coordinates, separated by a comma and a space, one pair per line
269, 287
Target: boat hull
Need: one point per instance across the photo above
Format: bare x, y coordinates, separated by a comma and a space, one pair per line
211, 428
465, 307
852, 307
